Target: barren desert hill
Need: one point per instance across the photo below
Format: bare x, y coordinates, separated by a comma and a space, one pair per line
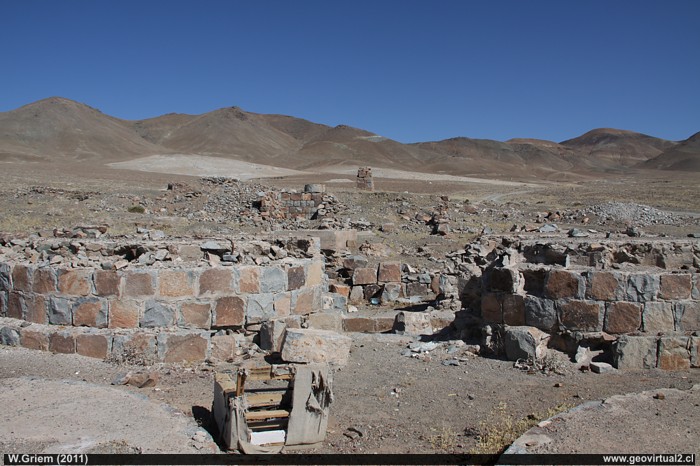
58, 127
530, 155
685, 156
62, 129
228, 131
609, 148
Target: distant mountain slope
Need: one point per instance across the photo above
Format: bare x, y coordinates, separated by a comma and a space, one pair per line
61, 129
684, 156
528, 154
228, 131
57, 127
605, 148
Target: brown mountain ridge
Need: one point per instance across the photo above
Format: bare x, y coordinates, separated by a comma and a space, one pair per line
61, 129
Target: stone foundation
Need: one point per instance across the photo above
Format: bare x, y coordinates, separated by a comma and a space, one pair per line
168, 302
647, 294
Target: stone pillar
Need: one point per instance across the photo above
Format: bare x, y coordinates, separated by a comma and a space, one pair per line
364, 179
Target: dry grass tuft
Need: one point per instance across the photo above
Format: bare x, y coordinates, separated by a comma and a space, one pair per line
501, 429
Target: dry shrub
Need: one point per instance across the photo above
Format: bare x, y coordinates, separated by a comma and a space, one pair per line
500, 430
445, 440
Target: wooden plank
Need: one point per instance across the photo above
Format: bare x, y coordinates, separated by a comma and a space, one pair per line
225, 382
269, 376
271, 414
268, 425
240, 383
264, 399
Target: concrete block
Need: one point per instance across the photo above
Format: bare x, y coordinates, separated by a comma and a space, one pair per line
106, 283
340, 289
635, 352
283, 304
606, 286
413, 323
540, 313
307, 300
623, 317
315, 346
522, 342
355, 262
358, 324
229, 311
601, 367
176, 283
22, 278
137, 347
513, 310
383, 324
391, 292
183, 347
249, 280
5, 277
93, 345
195, 314
216, 281
273, 280
673, 286
315, 273
564, 284
124, 313
158, 314
364, 276
416, 289
389, 272
372, 291
259, 308
9, 336
533, 281
90, 312
16, 306
695, 351
33, 338
504, 279
60, 311
334, 302
674, 353
642, 287
62, 342
657, 316
75, 282
36, 309
44, 281
441, 319
296, 278
331, 240
357, 294
687, 316
189, 253
585, 316
272, 335
326, 321
224, 347
695, 292
491, 309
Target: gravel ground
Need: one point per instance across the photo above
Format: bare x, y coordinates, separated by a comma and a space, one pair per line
384, 402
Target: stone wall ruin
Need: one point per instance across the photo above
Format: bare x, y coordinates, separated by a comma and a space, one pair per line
166, 301
644, 294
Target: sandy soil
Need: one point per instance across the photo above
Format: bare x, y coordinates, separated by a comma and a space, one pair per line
656, 421
385, 402
399, 404
202, 165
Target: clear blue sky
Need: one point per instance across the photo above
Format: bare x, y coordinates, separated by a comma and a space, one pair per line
408, 70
